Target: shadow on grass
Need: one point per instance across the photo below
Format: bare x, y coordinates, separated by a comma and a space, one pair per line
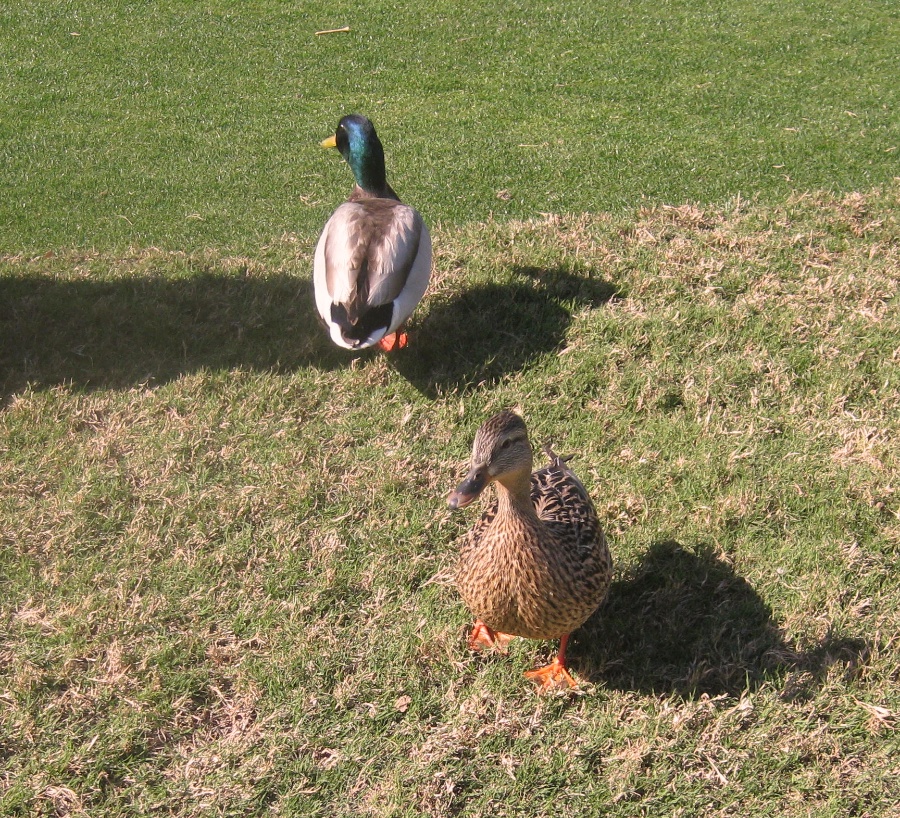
151, 329
480, 334
683, 622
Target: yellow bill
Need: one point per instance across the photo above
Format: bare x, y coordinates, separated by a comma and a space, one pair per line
331, 142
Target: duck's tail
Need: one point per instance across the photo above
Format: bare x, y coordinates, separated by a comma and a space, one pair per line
365, 329
562, 463
557, 460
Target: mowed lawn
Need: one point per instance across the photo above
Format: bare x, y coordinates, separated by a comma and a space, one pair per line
190, 125
668, 234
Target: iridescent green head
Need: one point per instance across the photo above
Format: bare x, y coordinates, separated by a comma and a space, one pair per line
358, 143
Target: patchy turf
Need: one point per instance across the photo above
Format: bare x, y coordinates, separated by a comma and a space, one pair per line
225, 567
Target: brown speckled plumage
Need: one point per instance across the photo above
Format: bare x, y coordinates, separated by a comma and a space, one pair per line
536, 564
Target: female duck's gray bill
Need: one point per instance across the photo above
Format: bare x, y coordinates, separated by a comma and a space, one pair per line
468, 490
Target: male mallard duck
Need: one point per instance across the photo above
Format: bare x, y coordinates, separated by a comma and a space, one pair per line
536, 564
373, 259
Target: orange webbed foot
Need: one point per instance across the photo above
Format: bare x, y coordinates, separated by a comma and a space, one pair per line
552, 677
483, 638
394, 341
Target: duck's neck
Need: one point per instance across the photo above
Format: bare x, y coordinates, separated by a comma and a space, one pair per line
370, 177
367, 164
360, 192
514, 498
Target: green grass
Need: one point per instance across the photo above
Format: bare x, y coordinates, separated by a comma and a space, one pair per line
226, 555
191, 125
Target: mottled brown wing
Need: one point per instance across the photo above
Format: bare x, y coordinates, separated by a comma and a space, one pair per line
564, 505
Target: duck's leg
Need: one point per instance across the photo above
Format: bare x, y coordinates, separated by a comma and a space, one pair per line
483, 637
554, 675
396, 340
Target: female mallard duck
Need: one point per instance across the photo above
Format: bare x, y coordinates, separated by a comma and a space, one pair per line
373, 259
536, 564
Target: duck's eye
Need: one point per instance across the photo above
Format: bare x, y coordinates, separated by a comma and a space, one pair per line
505, 444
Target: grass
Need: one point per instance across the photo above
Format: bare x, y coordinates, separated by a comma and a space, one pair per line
667, 233
187, 126
225, 564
